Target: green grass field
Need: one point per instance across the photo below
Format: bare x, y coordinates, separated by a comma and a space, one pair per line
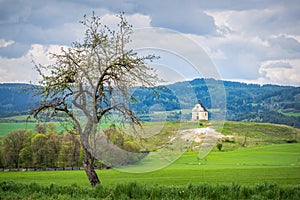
17, 118
278, 164
292, 114
6, 128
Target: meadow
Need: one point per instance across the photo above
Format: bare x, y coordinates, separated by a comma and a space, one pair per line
265, 172
266, 168
6, 128
278, 163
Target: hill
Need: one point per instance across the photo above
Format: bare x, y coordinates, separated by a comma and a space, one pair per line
244, 102
16, 99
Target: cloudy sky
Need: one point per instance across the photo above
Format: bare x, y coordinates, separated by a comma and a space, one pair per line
255, 41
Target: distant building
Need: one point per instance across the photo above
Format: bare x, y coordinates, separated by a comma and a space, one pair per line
199, 112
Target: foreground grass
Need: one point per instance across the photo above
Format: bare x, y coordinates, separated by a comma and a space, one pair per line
283, 176
12, 190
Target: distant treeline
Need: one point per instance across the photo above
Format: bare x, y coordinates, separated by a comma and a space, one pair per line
244, 102
45, 148
41, 148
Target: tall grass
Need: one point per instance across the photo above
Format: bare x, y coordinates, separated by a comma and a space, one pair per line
13, 190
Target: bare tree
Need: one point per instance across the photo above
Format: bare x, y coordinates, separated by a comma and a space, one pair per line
94, 78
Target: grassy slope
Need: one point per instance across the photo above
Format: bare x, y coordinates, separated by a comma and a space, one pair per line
258, 134
278, 163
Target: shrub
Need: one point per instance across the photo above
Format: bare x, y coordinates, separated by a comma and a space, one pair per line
219, 146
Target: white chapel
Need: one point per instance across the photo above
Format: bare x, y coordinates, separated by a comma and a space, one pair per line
199, 112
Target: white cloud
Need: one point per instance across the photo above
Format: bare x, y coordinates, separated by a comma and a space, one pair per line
16, 70
272, 19
139, 20
238, 36
22, 69
4, 43
279, 64
249, 37
283, 72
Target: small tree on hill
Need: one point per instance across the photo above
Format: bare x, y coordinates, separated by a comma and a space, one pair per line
219, 146
86, 77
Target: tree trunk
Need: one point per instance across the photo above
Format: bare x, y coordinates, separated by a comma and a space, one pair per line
89, 168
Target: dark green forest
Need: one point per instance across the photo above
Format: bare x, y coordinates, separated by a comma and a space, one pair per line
244, 102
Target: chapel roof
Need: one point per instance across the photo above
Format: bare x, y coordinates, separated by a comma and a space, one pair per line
199, 107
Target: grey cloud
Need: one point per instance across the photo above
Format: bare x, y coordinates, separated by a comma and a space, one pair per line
186, 17
246, 4
195, 21
51, 14
115, 6
232, 4
269, 21
285, 20
45, 22
284, 65
282, 48
33, 21
286, 43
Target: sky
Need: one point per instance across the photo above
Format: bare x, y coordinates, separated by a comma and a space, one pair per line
252, 41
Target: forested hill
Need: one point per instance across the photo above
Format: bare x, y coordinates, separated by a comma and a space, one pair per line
244, 102
15, 99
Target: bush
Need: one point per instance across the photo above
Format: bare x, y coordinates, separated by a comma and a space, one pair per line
219, 146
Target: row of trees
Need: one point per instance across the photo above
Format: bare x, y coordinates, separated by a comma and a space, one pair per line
41, 148
46, 148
